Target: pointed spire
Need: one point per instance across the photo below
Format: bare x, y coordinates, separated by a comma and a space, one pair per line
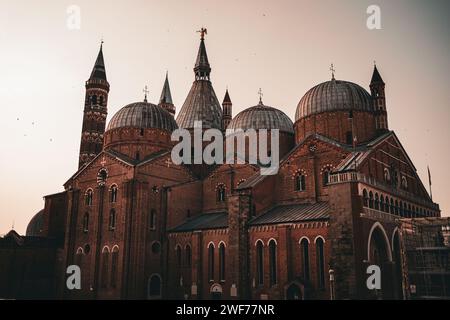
376, 77
166, 96
202, 68
99, 72
226, 99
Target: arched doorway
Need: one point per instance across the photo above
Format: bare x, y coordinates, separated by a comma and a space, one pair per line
398, 266
154, 287
216, 291
379, 254
294, 292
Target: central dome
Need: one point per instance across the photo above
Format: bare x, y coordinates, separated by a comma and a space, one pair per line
262, 117
143, 115
334, 95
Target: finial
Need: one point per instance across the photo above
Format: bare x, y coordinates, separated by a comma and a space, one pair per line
374, 63
202, 32
260, 96
332, 71
13, 224
145, 90
101, 43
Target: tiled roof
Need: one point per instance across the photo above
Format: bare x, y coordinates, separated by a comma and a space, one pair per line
294, 213
218, 220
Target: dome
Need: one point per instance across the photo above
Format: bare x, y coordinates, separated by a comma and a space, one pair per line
143, 115
334, 95
262, 117
36, 224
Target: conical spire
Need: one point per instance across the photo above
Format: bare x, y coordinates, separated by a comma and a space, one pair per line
376, 77
226, 99
166, 96
99, 72
202, 68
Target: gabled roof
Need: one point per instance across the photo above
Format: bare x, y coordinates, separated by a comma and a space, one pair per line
293, 213
122, 158
257, 177
218, 220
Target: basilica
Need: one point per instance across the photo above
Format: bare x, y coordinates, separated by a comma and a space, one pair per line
141, 227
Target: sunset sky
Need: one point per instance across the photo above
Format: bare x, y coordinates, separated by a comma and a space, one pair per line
284, 47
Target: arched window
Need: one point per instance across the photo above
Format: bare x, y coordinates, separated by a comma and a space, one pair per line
101, 101
152, 219
112, 219
156, 247
211, 262
300, 181
304, 247
89, 197
79, 257
386, 205
320, 263
178, 255
381, 203
371, 200
365, 198
113, 194
86, 222
402, 211
260, 262
397, 211
326, 175
105, 267
392, 209
188, 255
154, 286
387, 175
222, 262
377, 202
93, 100
404, 183
273, 262
220, 189
114, 265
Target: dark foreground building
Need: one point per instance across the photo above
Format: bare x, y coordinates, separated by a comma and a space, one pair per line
142, 227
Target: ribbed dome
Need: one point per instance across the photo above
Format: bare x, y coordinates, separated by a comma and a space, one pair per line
334, 95
143, 115
36, 224
262, 117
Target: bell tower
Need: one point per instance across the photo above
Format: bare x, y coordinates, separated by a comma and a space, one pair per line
379, 101
95, 112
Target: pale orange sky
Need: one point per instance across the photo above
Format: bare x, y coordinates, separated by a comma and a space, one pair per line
284, 47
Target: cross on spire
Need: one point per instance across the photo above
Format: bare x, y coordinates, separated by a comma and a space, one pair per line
260, 93
332, 71
202, 32
145, 90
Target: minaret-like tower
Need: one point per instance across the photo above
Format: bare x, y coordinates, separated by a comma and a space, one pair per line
227, 111
379, 101
165, 101
95, 112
